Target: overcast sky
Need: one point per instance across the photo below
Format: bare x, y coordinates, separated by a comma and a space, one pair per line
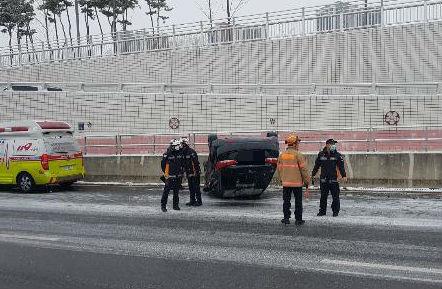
190, 10
184, 11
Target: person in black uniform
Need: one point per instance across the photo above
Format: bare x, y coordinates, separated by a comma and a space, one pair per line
193, 171
332, 167
172, 167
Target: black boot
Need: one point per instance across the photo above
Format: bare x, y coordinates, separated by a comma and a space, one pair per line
163, 209
299, 222
285, 221
176, 208
191, 203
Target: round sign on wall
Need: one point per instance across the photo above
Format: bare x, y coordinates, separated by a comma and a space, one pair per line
392, 117
174, 123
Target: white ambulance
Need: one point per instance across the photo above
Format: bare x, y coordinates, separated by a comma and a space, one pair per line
36, 153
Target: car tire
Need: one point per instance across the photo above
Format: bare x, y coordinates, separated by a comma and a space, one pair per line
25, 183
211, 138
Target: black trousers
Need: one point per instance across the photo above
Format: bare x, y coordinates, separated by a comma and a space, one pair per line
194, 188
172, 184
287, 196
333, 188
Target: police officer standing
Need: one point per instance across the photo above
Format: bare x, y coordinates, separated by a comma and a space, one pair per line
193, 171
292, 169
332, 167
172, 167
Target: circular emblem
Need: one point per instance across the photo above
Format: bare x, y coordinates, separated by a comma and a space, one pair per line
174, 123
392, 117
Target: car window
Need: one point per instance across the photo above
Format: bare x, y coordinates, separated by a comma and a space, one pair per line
54, 89
60, 142
26, 147
24, 88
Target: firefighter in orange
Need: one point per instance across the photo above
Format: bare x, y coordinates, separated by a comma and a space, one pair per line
292, 169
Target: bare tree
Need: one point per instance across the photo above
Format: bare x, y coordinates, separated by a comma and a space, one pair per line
157, 9
206, 10
15, 15
67, 4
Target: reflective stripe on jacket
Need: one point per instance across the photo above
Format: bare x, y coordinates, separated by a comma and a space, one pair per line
292, 169
172, 164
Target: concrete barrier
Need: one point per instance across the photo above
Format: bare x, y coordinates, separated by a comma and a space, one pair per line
363, 169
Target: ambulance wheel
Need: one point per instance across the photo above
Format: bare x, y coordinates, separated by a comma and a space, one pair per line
25, 183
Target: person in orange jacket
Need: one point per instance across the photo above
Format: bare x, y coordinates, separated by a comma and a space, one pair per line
292, 170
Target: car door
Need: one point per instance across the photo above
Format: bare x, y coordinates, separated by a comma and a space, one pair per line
5, 161
2, 161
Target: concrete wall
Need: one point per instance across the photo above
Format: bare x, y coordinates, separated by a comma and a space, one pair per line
150, 113
401, 53
365, 169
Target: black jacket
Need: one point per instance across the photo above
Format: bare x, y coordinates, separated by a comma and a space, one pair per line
172, 164
191, 162
329, 163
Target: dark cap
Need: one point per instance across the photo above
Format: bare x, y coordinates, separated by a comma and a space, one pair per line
330, 141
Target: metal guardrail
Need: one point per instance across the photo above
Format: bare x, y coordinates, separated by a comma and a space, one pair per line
427, 88
399, 138
299, 22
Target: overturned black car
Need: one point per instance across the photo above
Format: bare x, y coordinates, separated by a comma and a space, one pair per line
240, 166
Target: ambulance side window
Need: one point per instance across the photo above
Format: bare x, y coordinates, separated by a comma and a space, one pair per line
26, 147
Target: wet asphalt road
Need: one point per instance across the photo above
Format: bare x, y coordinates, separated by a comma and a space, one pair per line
117, 237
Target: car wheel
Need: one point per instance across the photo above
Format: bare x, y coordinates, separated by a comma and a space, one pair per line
211, 138
25, 183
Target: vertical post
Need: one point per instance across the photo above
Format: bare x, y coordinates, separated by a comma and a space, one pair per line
116, 42
267, 26
382, 13
303, 22
425, 11
42, 58
116, 145
233, 30
144, 48
426, 139
85, 145
174, 36
366, 13
341, 21
19, 54
368, 139
154, 143
91, 46
202, 33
